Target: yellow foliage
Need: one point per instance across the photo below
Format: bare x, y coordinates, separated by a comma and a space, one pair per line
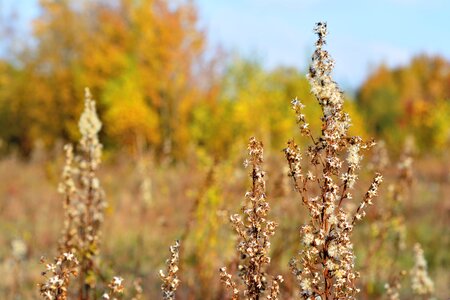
408, 101
128, 118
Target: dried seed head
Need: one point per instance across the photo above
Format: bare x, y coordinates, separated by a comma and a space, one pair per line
170, 278
89, 123
422, 284
326, 261
254, 231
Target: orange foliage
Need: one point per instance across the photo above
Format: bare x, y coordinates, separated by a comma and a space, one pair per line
154, 45
406, 100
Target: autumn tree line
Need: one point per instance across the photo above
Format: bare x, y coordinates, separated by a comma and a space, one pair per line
159, 89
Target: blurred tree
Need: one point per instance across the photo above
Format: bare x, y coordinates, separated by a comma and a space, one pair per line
152, 49
131, 120
161, 43
256, 102
14, 112
54, 90
144, 61
408, 101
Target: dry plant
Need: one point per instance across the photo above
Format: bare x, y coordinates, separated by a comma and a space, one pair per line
254, 232
327, 269
83, 214
394, 286
380, 157
170, 278
138, 291
84, 197
422, 285
115, 287
391, 223
387, 230
389, 240
57, 276
201, 235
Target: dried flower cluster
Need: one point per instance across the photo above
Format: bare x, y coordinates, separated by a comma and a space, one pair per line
170, 279
115, 287
393, 288
380, 158
254, 232
138, 291
388, 230
83, 209
389, 240
422, 284
405, 171
57, 276
84, 202
327, 268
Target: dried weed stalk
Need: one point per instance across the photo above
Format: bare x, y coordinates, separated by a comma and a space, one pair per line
254, 232
57, 276
394, 286
115, 288
389, 240
422, 285
170, 279
327, 269
84, 204
138, 290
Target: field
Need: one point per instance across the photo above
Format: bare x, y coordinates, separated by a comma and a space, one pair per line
139, 227
182, 176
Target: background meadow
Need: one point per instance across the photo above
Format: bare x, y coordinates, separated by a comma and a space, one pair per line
180, 87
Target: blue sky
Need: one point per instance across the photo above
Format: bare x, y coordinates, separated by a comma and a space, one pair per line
363, 34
